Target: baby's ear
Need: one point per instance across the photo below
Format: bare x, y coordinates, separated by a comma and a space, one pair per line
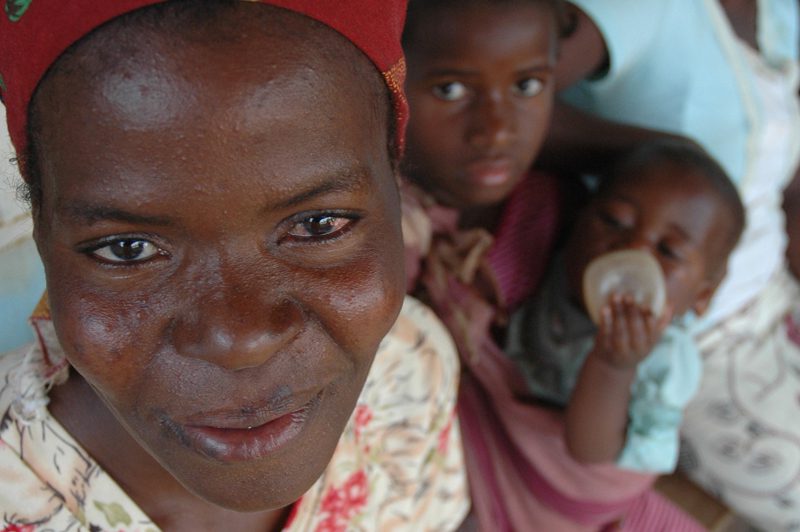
707, 289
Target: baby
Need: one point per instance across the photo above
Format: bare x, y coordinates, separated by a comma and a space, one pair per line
625, 381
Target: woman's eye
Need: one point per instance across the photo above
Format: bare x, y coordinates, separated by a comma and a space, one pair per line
451, 91
529, 87
127, 250
322, 226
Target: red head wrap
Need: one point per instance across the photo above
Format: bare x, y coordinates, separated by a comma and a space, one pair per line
34, 33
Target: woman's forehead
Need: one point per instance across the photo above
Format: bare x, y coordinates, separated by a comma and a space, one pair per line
281, 44
164, 110
371, 26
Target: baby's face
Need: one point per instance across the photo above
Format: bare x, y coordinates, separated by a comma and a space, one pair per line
222, 246
481, 91
676, 218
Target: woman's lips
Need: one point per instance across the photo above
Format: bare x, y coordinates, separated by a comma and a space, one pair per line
241, 441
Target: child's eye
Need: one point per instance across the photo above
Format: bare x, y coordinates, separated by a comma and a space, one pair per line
451, 91
126, 251
320, 227
529, 87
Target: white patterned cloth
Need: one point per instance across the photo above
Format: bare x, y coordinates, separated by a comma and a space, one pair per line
741, 433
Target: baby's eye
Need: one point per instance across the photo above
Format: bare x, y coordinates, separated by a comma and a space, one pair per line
451, 91
126, 250
610, 219
529, 87
668, 251
320, 226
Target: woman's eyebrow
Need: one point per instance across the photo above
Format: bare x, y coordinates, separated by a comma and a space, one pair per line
88, 213
347, 180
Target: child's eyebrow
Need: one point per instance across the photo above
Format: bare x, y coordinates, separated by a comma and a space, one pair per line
466, 72
544, 67
450, 72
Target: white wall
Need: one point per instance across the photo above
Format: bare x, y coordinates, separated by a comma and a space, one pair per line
21, 273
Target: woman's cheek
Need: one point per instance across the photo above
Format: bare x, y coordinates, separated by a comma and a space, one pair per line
107, 339
359, 304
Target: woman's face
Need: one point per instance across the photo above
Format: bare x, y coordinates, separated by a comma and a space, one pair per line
222, 246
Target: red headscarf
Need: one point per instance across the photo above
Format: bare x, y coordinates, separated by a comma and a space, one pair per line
34, 33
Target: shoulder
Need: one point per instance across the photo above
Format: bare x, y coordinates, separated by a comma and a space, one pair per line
22, 378
46, 476
417, 357
630, 31
399, 463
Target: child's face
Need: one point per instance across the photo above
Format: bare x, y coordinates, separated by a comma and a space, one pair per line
222, 247
480, 90
678, 219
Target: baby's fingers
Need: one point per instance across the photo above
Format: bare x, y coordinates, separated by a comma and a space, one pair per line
640, 324
620, 332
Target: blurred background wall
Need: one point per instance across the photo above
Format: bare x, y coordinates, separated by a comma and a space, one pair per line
21, 272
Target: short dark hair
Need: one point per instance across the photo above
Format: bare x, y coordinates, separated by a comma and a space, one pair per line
685, 155
419, 8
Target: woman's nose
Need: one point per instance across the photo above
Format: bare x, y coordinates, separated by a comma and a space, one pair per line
493, 123
238, 323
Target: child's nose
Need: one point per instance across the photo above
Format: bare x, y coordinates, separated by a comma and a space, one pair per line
493, 123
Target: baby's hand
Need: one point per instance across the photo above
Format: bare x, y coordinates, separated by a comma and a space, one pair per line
627, 332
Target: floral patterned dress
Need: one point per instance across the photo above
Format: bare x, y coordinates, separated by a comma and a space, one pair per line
398, 465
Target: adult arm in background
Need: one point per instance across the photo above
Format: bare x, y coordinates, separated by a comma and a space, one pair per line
579, 142
791, 207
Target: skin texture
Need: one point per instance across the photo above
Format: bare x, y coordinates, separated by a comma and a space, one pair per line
672, 213
256, 205
480, 90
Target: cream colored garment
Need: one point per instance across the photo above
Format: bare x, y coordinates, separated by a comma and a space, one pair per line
773, 112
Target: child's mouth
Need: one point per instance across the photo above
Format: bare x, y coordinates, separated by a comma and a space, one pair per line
490, 172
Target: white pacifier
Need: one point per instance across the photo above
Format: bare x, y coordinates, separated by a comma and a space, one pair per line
631, 272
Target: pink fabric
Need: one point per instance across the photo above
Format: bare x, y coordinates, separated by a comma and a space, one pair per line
521, 475
525, 238
654, 513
